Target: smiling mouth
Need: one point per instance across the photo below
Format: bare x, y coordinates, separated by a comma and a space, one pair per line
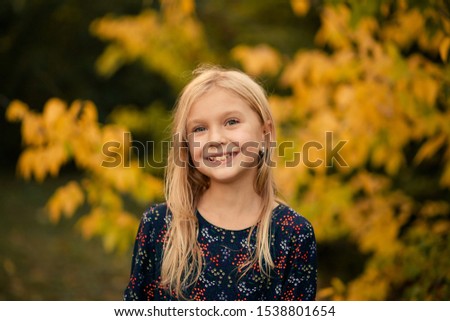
221, 158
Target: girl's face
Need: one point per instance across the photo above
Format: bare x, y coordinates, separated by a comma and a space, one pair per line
225, 136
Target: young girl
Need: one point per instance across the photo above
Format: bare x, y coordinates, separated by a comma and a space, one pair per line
222, 234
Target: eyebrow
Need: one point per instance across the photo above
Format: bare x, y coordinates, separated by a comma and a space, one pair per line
224, 115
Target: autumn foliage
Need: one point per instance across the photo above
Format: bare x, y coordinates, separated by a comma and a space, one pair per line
378, 79
62, 134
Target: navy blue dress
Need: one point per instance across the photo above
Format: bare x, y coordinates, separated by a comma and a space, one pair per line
293, 250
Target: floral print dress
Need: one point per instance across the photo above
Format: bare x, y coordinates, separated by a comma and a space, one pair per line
293, 250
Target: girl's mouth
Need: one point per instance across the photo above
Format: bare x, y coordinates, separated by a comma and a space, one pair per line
222, 158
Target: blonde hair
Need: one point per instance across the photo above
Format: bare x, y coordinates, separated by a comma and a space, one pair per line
182, 260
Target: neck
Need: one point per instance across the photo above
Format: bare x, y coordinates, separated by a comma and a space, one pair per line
231, 206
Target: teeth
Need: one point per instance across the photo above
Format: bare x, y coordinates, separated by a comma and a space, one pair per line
219, 158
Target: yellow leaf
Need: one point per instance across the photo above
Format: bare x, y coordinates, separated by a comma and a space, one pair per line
16, 111
122, 178
403, 4
445, 178
148, 188
325, 293
441, 227
39, 165
25, 164
74, 109
335, 27
344, 96
426, 89
110, 61
300, 7
126, 227
371, 285
406, 28
91, 223
258, 60
56, 156
394, 162
40, 161
443, 48
65, 201
282, 108
432, 209
385, 9
188, 6
33, 129
53, 109
446, 25
429, 148
89, 112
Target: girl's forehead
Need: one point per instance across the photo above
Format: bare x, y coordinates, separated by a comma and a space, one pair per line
217, 99
217, 107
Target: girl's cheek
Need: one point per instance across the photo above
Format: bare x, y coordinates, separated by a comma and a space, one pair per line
195, 148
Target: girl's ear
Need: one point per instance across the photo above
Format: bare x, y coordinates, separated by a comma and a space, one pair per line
267, 130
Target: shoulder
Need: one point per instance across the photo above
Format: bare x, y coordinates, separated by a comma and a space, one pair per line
155, 217
286, 221
155, 212
153, 226
293, 236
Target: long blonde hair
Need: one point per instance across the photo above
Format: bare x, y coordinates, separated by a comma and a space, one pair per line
182, 260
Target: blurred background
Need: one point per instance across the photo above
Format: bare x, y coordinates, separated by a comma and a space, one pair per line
76, 75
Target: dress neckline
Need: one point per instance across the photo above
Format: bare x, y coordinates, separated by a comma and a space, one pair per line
247, 229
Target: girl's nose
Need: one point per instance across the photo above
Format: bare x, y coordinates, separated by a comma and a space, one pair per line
217, 136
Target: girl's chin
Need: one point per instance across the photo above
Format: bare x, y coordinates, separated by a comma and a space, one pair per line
226, 175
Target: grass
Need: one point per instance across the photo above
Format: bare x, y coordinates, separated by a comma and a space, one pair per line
43, 261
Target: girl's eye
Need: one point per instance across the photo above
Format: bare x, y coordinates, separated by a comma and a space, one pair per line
198, 129
232, 122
